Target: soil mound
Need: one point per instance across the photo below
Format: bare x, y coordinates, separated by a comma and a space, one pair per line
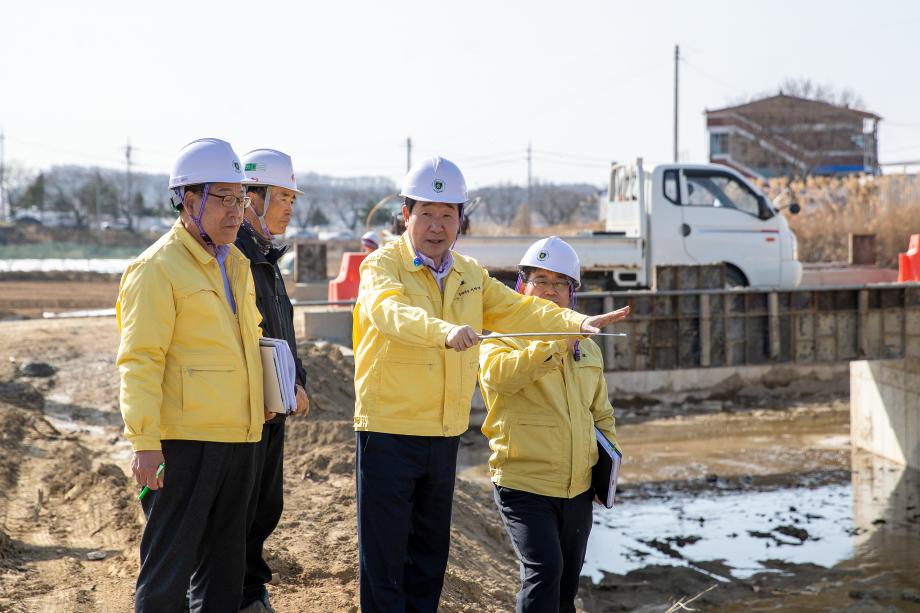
330, 381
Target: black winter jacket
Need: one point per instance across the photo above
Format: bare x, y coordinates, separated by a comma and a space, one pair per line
271, 295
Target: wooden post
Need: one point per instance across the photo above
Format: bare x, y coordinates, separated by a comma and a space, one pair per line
609, 346
773, 309
705, 332
862, 346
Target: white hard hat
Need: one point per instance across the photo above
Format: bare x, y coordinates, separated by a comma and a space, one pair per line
371, 237
556, 255
435, 180
206, 160
269, 167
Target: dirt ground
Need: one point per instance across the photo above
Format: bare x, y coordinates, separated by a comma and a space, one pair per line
70, 527
18, 297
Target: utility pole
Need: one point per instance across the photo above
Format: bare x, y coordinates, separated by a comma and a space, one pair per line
408, 153
676, 82
96, 197
128, 184
4, 213
526, 217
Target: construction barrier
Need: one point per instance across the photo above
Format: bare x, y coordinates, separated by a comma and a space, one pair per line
909, 263
345, 285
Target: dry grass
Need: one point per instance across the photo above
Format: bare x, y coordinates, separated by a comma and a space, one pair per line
833, 207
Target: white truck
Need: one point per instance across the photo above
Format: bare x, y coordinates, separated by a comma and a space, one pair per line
666, 215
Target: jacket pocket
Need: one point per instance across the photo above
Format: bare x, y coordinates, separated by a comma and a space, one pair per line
535, 445
588, 373
408, 386
469, 375
212, 394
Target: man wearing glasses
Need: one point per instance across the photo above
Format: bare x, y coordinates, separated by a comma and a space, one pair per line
191, 388
271, 187
544, 399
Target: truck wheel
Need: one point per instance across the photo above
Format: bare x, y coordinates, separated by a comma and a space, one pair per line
734, 277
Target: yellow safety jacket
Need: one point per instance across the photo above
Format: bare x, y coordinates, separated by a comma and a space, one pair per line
542, 409
406, 380
190, 369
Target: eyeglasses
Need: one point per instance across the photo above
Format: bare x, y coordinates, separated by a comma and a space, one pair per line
240, 202
558, 286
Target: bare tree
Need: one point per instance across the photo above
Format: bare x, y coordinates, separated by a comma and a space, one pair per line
803, 87
557, 204
501, 202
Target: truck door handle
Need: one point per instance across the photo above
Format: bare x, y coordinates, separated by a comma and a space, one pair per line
684, 229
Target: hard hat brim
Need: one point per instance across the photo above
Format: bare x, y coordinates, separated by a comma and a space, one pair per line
260, 183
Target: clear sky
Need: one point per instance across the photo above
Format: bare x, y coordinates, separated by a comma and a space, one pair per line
340, 84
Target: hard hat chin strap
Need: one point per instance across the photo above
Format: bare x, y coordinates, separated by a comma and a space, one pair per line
268, 197
197, 218
460, 227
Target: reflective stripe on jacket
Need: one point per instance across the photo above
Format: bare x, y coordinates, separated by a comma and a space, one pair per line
406, 380
190, 369
542, 408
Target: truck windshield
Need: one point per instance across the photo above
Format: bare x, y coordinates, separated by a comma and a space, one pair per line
722, 190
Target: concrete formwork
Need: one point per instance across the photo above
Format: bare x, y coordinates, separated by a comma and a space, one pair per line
675, 329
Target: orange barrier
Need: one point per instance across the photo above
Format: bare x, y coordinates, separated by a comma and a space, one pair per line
909, 263
345, 286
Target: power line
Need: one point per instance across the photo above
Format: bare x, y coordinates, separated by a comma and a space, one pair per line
55, 149
696, 69
475, 158
592, 158
581, 164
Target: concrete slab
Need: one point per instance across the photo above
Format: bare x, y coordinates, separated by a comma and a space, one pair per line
885, 409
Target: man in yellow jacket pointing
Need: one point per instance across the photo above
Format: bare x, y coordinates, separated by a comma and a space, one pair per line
420, 309
544, 399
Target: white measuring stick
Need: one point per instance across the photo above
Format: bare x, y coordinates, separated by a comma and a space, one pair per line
498, 335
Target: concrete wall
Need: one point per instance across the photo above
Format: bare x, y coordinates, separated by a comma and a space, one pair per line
885, 409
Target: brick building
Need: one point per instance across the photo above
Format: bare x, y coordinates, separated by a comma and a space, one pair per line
788, 136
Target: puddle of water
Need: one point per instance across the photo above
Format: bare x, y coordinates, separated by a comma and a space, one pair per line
624, 538
870, 526
774, 474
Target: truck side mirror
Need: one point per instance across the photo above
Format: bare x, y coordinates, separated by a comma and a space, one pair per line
794, 208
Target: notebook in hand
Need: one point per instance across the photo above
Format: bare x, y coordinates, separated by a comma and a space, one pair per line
605, 472
278, 375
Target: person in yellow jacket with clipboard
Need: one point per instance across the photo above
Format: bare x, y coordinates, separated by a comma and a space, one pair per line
544, 400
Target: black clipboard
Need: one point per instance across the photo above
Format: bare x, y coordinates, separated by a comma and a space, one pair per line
605, 472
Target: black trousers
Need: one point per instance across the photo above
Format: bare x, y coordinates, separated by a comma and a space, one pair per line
265, 508
196, 529
405, 487
550, 537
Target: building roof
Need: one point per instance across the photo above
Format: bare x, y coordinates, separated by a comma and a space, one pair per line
783, 102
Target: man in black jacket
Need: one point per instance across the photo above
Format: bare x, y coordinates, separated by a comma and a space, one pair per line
271, 187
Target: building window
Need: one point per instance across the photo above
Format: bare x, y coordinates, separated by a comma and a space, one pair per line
718, 143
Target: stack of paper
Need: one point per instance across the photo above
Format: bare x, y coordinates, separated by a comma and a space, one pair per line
605, 472
279, 375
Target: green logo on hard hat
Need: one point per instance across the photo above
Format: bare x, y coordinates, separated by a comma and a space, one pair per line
438, 186
542, 255
250, 166
236, 166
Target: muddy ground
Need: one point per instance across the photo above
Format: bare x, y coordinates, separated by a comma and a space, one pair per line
69, 525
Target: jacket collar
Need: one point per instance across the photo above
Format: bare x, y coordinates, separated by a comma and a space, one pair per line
194, 247
249, 245
407, 253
